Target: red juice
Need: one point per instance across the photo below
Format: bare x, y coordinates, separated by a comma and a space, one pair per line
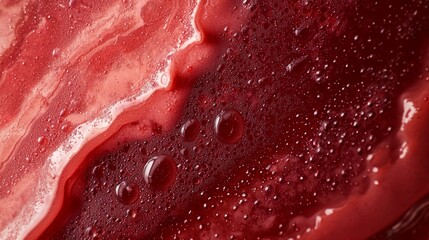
214, 119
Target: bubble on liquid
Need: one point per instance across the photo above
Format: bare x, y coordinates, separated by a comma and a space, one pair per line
55, 52
229, 126
91, 231
127, 192
132, 213
190, 130
160, 172
97, 171
42, 140
296, 64
65, 127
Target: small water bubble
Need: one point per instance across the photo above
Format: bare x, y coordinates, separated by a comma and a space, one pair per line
72, 3
184, 152
63, 112
92, 232
132, 213
229, 126
97, 171
302, 29
41, 140
160, 172
55, 52
127, 192
190, 130
296, 64
65, 127
196, 181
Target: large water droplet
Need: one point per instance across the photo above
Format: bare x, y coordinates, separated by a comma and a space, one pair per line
127, 192
190, 130
229, 126
160, 172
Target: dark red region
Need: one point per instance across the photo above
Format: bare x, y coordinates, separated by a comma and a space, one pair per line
316, 84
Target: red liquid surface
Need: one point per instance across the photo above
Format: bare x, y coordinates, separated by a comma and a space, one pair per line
259, 120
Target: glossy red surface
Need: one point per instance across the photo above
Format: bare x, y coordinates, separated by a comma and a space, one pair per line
214, 119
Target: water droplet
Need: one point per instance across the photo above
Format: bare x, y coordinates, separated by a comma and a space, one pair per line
55, 52
296, 64
97, 171
160, 172
184, 152
302, 30
190, 129
65, 127
42, 140
94, 233
72, 3
132, 213
127, 192
229, 126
